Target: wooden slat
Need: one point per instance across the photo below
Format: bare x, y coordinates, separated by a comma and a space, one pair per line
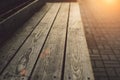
22, 64
77, 65
12, 45
49, 65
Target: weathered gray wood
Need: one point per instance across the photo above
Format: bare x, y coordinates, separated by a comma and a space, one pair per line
12, 45
77, 65
21, 65
49, 65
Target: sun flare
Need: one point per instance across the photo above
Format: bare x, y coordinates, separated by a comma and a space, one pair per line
111, 1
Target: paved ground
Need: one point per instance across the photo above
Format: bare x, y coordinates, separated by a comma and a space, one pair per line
102, 27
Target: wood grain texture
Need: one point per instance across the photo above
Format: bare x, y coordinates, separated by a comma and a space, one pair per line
77, 65
21, 65
49, 65
8, 50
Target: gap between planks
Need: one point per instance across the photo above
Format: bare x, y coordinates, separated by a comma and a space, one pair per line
48, 55
23, 62
49, 65
77, 62
10, 48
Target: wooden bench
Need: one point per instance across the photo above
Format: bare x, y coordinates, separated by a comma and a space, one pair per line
50, 46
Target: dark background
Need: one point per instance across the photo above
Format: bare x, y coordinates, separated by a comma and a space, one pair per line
6, 5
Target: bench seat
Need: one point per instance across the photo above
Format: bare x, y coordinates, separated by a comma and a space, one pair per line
50, 46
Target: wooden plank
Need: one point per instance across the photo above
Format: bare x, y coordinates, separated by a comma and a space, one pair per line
8, 50
77, 65
22, 64
49, 65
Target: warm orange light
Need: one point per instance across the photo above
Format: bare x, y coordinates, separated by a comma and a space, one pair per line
111, 1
